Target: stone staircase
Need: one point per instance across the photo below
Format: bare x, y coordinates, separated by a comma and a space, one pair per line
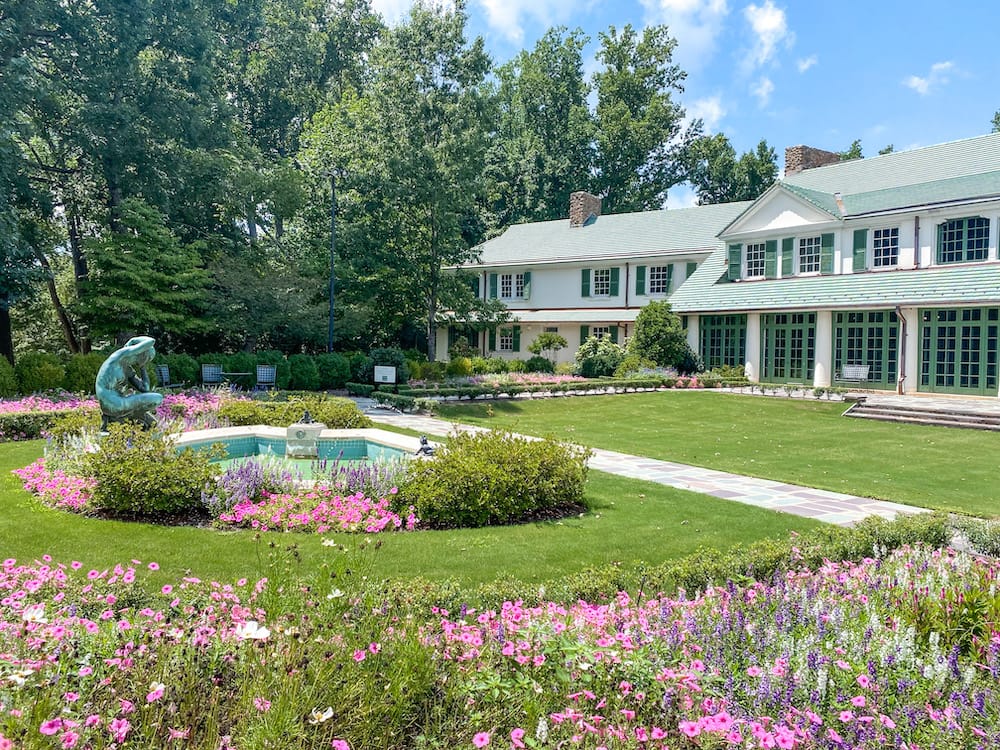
939, 412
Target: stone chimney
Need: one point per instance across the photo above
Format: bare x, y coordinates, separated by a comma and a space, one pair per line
799, 158
583, 206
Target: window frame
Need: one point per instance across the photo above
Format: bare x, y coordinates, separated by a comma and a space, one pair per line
965, 249
872, 249
505, 339
661, 275
760, 247
605, 281
600, 332
817, 255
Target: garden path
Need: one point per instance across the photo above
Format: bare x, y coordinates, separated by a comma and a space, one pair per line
823, 505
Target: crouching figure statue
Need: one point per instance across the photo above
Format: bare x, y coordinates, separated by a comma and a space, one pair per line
123, 385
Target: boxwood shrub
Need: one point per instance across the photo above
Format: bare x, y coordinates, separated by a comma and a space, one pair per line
304, 373
31, 425
38, 371
334, 370
141, 475
335, 413
472, 481
8, 381
81, 372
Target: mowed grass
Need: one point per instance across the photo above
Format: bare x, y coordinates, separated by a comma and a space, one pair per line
630, 521
799, 441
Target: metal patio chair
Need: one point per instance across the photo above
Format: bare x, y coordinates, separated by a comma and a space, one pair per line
211, 374
163, 376
266, 375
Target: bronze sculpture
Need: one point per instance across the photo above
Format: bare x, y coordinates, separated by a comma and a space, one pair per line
122, 385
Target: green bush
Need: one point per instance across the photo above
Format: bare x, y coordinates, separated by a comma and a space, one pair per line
469, 483
31, 425
479, 365
433, 371
38, 371
8, 380
359, 389
631, 364
516, 365
333, 369
73, 422
81, 372
496, 366
241, 362
282, 372
360, 364
539, 364
599, 357
416, 369
459, 367
140, 474
304, 373
388, 357
335, 413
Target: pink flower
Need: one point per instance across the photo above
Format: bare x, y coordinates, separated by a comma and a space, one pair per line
846, 716
69, 739
886, 721
179, 734
340, 745
50, 727
754, 671
262, 704
481, 739
359, 654
516, 737
374, 647
156, 691
864, 681
119, 729
690, 728
858, 701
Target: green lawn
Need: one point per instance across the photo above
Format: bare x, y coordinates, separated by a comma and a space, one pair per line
630, 521
799, 441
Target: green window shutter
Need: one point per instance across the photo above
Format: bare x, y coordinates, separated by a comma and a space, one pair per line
493, 286
517, 338
860, 249
691, 268
527, 284
771, 259
670, 276
733, 273
585, 282
584, 334
640, 280
493, 339
787, 256
614, 281
614, 334
940, 242
826, 253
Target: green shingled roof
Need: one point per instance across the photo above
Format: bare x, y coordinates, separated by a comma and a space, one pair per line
707, 291
632, 235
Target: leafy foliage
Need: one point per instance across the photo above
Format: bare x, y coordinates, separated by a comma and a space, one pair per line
335, 413
333, 369
304, 373
38, 371
81, 372
719, 177
659, 336
8, 379
599, 357
470, 482
139, 473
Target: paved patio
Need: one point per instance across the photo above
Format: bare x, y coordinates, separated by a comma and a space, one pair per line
831, 507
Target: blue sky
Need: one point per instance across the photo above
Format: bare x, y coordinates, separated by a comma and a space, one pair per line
817, 72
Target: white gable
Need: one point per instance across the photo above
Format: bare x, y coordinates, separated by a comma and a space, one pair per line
775, 211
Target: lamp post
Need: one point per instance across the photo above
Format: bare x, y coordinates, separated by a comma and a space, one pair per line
333, 254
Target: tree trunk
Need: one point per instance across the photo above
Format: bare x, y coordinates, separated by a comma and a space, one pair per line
6, 335
69, 331
80, 272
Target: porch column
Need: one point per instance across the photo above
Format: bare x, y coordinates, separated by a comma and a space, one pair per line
911, 350
693, 335
823, 371
752, 365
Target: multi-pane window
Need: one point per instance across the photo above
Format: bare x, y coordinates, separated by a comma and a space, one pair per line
963, 240
885, 247
755, 260
505, 340
659, 279
723, 340
809, 254
602, 281
512, 285
601, 332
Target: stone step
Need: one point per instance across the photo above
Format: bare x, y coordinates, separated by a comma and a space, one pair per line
928, 419
894, 410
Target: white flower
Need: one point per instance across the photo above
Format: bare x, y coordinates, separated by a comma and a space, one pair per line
34, 613
20, 676
318, 717
252, 631
335, 594
329, 543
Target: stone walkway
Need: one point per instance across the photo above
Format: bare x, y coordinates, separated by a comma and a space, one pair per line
831, 507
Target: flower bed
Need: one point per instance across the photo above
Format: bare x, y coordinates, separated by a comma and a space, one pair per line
865, 655
321, 510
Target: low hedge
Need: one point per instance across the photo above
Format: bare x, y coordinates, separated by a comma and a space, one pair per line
469, 483
32, 425
335, 413
359, 389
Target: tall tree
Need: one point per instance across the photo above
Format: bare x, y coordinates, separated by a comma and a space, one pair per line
544, 147
996, 121
640, 138
719, 177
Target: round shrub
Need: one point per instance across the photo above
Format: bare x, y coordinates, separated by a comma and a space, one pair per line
333, 369
495, 366
389, 357
304, 373
599, 357
515, 365
539, 364
361, 367
416, 369
183, 367
141, 475
38, 371
335, 413
470, 483
241, 362
8, 380
81, 372
459, 367
433, 371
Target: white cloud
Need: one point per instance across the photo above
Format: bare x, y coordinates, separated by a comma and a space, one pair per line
682, 196
695, 24
938, 76
709, 110
393, 11
508, 16
763, 91
806, 62
770, 27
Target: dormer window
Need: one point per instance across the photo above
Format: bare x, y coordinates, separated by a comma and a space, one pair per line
963, 240
810, 249
755, 261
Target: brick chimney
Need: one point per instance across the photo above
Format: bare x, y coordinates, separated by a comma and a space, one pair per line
799, 158
582, 206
